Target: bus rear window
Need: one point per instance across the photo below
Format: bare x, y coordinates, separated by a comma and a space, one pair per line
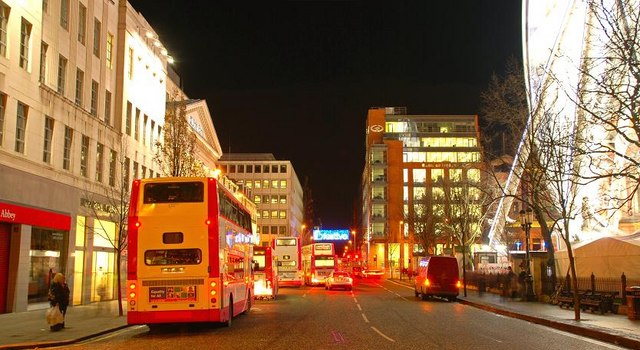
174, 192
173, 257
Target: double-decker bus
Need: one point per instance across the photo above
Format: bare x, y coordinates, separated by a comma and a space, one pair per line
189, 252
318, 261
265, 275
288, 259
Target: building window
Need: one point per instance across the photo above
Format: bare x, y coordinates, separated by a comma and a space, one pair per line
99, 161
107, 107
274, 168
48, 137
66, 154
265, 214
130, 70
274, 183
135, 169
94, 98
240, 168
257, 184
153, 127
265, 169
283, 168
79, 86
62, 74
232, 168
125, 169
136, 126
127, 125
258, 168
150, 173
113, 156
265, 198
4, 19
145, 120
3, 105
21, 126
109, 50
283, 184
84, 155
43, 61
265, 183
274, 229
265, 230
25, 38
45, 6
82, 23
283, 230
257, 199
283, 199
96, 37
144, 172
64, 14
249, 168
274, 199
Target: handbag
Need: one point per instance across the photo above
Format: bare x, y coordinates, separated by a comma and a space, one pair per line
54, 316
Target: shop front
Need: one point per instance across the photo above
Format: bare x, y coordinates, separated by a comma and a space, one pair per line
35, 235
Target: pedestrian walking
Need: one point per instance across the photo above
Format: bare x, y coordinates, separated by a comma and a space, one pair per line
59, 296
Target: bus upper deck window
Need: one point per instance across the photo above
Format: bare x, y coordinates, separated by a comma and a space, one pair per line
172, 237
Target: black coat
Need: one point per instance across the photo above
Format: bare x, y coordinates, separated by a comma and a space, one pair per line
59, 295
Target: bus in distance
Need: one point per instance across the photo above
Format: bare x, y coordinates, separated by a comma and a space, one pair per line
288, 260
318, 261
190, 247
265, 276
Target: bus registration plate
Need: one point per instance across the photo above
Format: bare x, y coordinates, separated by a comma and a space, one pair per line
172, 293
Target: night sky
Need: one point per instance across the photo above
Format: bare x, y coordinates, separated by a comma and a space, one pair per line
296, 78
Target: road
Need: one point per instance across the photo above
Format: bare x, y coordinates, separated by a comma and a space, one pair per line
375, 315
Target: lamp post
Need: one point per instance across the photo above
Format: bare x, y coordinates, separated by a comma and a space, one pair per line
526, 218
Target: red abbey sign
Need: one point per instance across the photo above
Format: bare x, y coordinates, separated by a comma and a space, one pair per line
35, 217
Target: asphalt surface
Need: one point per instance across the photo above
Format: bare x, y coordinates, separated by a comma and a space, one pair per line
27, 330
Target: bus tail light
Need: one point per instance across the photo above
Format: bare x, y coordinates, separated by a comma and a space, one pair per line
132, 295
458, 284
132, 285
213, 284
207, 222
427, 283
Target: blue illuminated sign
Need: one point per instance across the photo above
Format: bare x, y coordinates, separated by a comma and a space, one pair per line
330, 235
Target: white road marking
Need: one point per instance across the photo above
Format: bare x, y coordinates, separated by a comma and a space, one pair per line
359, 308
382, 334
365, 318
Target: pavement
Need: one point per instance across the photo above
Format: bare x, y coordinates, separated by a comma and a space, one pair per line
28, 330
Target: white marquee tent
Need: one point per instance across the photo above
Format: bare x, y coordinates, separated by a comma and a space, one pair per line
604, 257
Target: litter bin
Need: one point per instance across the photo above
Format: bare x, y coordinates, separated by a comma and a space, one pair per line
633, 302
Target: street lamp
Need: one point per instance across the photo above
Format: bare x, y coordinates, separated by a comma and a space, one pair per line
526, 218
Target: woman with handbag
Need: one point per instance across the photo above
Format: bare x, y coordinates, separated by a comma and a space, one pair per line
59, 297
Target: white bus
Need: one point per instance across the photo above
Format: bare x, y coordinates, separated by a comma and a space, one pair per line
288, 261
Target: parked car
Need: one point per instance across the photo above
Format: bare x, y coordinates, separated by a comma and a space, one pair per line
438, 276
339, 279
372, 273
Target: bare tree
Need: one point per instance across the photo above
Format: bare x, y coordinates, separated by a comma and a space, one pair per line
504, 107
556, 139
608, 99
421, 223
176, 153
115, 210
